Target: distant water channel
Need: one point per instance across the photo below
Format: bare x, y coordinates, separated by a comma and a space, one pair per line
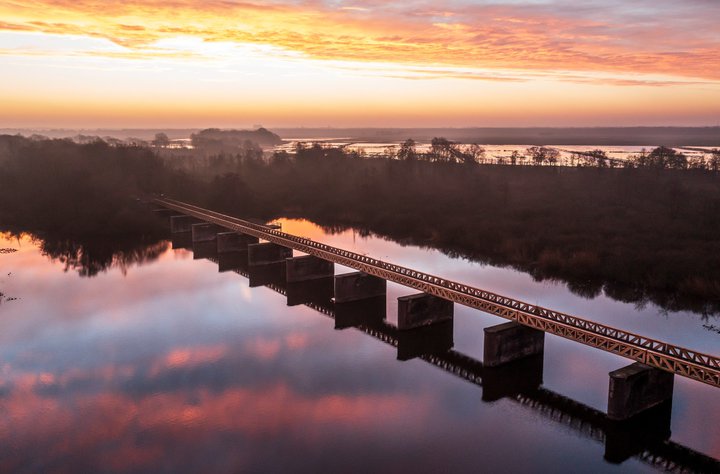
173, 366
493, 153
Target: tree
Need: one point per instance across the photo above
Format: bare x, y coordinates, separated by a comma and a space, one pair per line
408, 151
697, 163
666, 158
441, 150
474, 154
392, 152
599, 157
541, 154
280, 158
714, 161
161, 140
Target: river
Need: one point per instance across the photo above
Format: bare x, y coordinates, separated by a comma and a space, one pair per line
161, 363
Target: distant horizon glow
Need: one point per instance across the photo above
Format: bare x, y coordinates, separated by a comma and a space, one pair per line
193, 64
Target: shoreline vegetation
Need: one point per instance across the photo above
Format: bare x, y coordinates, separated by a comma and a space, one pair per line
645, 231
600, 136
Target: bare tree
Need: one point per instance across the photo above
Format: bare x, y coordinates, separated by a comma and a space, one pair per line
542, 154
408, 151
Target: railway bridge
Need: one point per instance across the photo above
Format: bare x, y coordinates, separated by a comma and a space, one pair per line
645, 437
634, 390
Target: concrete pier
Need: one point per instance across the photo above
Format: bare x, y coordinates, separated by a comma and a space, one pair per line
624, 439
230, 261
419, 310
511, 341
205, 232
234, 242
204, 249
268, 274
308, 268
365, 312
267, 253
511, 378
425, 340
358, 286
636, 388
181, 240
182, 223
318, 291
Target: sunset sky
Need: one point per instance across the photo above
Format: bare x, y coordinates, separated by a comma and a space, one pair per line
191, 63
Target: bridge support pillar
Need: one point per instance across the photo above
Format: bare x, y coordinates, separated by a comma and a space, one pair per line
234, 242
624, 439
365, 312
182, 223
205, 232
267, 253
358, 286
229, 261
181, 240
270, 274
318, 291
164, 213
204, 250
420, 310
425, 340
522, 375
511, 341
308, 268
636, 388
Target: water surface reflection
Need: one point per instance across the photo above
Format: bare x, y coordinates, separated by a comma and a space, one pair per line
175, 366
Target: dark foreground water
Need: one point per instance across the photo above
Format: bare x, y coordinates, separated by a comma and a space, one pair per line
173, 366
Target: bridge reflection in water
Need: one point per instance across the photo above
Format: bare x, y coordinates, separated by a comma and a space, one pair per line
644, 435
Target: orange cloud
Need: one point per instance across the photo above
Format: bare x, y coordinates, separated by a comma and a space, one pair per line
524, 37
112, 423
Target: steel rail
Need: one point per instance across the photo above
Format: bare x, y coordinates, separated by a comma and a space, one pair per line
671, 358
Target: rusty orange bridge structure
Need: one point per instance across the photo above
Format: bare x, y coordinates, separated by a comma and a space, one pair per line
633, 390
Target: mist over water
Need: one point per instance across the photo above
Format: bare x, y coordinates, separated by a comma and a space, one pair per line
554, 163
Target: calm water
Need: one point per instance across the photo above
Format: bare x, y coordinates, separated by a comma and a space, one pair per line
493, 153
173, 366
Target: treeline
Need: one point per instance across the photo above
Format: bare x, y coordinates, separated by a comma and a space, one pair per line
76, 189
640, 234
442, 150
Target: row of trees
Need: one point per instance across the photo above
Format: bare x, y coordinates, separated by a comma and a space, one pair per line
441, 150
71, 188
661, 158
224, 150
624, 233
444, 151
633, 235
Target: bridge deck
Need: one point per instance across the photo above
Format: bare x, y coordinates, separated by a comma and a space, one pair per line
668, 357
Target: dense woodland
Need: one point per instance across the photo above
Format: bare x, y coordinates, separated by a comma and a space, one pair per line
647, 232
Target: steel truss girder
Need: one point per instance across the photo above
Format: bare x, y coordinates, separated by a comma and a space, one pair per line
678, 360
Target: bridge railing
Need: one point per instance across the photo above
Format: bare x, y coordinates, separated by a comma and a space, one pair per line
669, 357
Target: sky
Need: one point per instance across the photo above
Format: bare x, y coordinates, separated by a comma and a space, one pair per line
415, 63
